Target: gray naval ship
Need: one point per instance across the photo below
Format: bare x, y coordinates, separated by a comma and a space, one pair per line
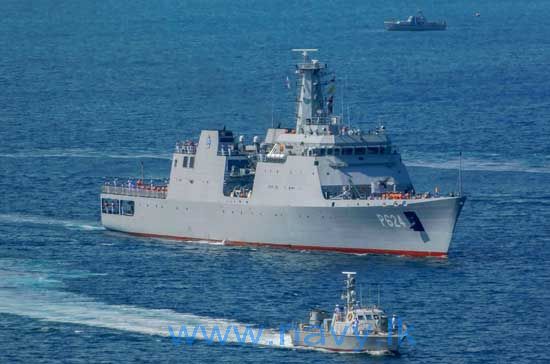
321, 185
414, 23
351, 328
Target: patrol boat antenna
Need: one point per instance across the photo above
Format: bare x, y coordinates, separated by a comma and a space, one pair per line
349, 294
460, 174
304, 51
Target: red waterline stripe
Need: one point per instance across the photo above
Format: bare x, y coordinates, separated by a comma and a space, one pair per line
410, 253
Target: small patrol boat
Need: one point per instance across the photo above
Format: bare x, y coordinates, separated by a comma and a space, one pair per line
415, 22
351, 328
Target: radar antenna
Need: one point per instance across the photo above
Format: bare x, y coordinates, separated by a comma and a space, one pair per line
304, 51
349, 294
460, 174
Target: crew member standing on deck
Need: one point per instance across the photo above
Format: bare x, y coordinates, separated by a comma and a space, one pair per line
355, 324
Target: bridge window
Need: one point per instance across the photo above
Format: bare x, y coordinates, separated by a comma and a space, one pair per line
347, 151
127, 207
110, 206
373, 150
360, 151
330, 151
316, 152
188, 162
175, 162
322, 152
336, 151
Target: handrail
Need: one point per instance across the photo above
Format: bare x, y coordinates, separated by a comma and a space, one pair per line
272, 158
229, 151
391, 196
134, 191
186, 149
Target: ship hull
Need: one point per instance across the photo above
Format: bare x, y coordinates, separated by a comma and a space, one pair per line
393, 26
345, 343
361, 229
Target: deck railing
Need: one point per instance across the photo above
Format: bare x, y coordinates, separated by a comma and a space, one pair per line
272, 158
134, 191
186, 148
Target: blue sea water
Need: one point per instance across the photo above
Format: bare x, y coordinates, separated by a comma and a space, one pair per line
89, 89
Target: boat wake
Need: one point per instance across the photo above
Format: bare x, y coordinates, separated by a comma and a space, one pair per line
28, 289
489, 164
494, 163
63, 307
88, 153
43, 220
207, 242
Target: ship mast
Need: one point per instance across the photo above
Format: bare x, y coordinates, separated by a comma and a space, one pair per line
311, 116
349, 294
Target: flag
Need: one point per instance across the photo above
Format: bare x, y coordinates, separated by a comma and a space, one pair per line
331, 85
330, 104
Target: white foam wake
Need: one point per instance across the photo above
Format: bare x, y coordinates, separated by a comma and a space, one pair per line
44, 220
479, 164
32, 290
208, 242
56, 306
87, 153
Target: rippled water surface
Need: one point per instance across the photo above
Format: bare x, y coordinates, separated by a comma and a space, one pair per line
90, 89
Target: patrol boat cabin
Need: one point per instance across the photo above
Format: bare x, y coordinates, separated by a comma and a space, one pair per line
352, 326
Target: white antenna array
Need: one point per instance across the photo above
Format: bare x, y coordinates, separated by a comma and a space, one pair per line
460, 174
304, 51
272, 107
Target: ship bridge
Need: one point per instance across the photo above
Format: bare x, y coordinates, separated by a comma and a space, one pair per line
350, 164
341, 162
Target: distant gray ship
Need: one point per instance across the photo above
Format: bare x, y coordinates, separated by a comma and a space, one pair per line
321, 185
415, 23
352, 327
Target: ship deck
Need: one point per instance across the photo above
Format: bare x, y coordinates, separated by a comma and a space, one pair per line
136, 188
